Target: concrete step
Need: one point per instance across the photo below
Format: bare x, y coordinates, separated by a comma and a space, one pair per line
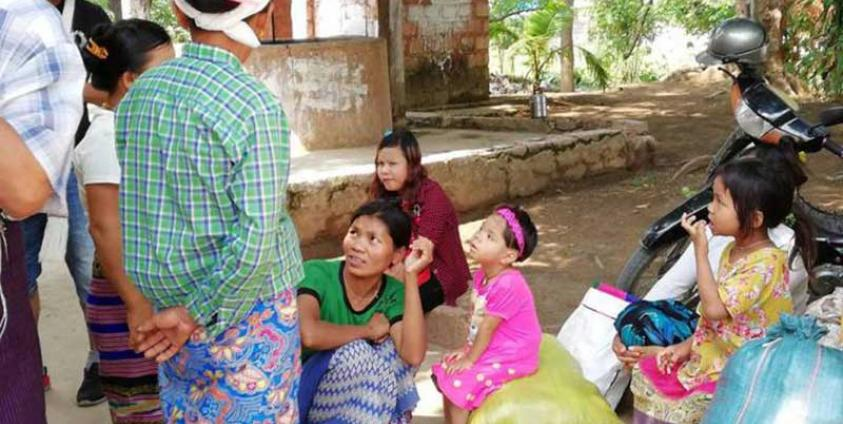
447, 326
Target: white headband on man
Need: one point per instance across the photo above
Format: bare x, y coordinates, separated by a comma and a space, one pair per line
231, 23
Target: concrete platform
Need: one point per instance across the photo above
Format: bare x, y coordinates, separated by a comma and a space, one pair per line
436, 144
476, 168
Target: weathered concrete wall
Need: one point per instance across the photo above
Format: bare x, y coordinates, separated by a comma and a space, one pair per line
321, 209
334, 91
446, 51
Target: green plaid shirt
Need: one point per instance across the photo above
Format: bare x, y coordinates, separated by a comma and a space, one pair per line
204, 150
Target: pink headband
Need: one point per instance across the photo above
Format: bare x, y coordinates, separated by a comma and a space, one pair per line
512, 222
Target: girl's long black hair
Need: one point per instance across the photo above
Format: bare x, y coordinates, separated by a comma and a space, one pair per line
768, 183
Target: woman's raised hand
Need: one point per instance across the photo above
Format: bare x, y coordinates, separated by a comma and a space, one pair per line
421, 255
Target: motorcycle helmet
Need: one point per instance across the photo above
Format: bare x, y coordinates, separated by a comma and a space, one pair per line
737, 40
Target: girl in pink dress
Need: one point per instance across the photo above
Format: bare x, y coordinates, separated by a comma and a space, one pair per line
504, 335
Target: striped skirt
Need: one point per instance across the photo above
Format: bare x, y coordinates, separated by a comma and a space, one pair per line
129, 381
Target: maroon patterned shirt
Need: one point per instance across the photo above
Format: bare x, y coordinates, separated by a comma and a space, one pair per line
434, 217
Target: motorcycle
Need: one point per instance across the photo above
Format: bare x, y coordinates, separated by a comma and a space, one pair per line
764, 117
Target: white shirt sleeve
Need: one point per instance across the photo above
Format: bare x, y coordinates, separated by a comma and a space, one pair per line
784, 238
682, 276
41, 88
95, 158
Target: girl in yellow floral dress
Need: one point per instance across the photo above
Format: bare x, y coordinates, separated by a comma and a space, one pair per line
747, 296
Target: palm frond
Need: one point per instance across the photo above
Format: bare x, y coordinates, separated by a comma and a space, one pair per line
595, 67
548, 22
502, 34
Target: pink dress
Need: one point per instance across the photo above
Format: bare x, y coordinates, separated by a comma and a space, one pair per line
513, 351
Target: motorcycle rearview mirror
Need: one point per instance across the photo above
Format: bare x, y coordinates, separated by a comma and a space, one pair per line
832, 116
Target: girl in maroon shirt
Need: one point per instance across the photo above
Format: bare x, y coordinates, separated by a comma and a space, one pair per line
400, 174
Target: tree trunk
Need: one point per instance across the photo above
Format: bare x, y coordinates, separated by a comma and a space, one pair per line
116, 7
743, 8
770, 14
566, 56
136, 8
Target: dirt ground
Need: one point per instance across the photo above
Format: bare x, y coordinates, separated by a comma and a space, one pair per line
587, 229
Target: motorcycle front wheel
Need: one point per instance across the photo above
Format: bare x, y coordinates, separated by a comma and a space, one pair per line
646, 266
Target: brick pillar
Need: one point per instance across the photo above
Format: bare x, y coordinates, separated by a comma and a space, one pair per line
446, 51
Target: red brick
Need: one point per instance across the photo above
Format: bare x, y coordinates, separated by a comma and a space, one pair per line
481, 42
466, 43
478, 60
481, 8
474, 26
410, 29
416, 46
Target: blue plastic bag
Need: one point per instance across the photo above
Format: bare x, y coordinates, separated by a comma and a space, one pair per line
787, 377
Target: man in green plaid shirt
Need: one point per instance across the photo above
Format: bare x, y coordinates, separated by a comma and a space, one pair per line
204, 150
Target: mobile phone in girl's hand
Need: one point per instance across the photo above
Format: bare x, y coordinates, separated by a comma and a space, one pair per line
699, 214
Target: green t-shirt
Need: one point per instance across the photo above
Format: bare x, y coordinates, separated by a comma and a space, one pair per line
323, 280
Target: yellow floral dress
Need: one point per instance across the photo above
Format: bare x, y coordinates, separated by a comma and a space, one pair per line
756, 292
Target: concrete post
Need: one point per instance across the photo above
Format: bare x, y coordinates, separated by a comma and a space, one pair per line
390, 27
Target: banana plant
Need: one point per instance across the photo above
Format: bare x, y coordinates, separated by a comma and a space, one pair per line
540, 28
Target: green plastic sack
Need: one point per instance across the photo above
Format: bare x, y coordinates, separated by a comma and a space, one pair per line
557, 393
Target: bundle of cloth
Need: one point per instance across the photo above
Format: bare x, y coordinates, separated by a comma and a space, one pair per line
828, 311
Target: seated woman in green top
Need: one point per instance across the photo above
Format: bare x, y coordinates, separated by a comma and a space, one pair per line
363, 332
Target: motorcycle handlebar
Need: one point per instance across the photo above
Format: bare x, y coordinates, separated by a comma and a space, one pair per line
833, 148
